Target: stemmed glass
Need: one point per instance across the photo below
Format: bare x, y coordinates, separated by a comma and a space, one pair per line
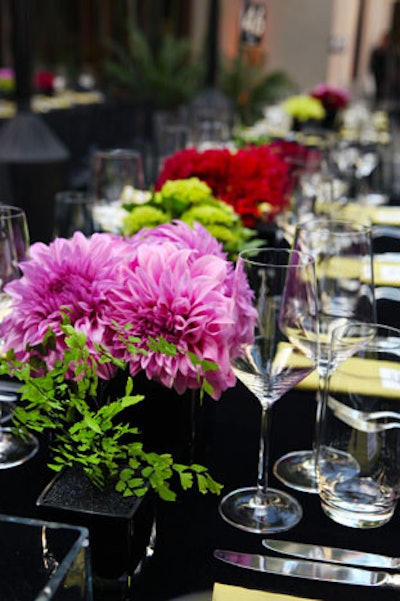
344, 268
20, 236
14, 245
281, 354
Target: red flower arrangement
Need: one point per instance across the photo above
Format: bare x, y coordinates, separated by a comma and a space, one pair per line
331, 97
44, 82
252, 180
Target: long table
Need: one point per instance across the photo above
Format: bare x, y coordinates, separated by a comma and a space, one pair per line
189, 529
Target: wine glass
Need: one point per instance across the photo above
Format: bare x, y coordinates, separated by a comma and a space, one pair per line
20, 234
344, 269
14, 243
284, 297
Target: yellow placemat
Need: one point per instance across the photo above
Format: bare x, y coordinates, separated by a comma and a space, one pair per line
227, 592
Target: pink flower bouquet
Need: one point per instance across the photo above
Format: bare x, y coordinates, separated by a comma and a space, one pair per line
172, 282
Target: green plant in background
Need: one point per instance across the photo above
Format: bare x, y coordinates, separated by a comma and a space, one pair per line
191, 200
90, 431
166, 75
250, 89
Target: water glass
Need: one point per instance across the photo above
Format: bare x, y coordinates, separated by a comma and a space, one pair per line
358, 446
117, 177
72, 213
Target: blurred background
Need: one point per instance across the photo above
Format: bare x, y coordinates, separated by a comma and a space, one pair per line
79, 75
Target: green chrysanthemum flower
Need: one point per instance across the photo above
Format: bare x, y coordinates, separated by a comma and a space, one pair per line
143, 216
225, 235
304, 107
177, 195
208, 214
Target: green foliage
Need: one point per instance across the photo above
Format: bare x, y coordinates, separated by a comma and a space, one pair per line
91, 431
167, 75
250, 89
191, 200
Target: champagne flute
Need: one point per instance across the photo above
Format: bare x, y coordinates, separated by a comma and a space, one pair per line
284, 298
14, 243
344, 268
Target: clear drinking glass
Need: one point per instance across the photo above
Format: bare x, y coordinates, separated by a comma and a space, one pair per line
344, 269
21, 240
358, 441
284, 297
14, 242
72, 213
117, 178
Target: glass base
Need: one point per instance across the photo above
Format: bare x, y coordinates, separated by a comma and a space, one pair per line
358, 519
7, 410
278, 513
297, 470
15, 450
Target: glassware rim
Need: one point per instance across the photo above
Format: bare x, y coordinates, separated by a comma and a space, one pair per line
14, 212
116, 153
307, 258
72, 197
365, 324
356, 227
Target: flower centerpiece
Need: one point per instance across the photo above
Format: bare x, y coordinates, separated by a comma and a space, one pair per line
303, 108
86, 310
253, 180
190, 200
44, 82
333, 98
7, 82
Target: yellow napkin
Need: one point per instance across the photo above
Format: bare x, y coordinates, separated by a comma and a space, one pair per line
226, 592
380, 378
386, 272
377, 215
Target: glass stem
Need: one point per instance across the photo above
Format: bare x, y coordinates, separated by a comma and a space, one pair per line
263, 456
320, 391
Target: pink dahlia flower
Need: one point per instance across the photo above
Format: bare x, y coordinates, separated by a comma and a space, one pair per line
68, 275
180, 286
195, 237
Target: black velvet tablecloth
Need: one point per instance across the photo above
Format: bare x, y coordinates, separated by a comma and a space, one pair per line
189, 529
